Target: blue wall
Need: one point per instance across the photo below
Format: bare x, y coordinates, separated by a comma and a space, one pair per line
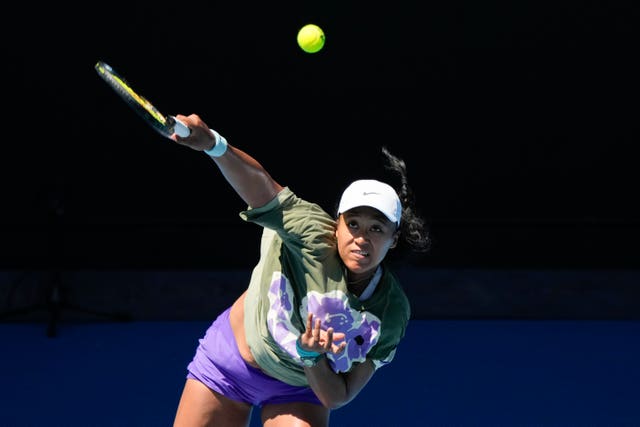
462, 373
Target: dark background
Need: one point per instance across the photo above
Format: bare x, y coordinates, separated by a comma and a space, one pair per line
517, 120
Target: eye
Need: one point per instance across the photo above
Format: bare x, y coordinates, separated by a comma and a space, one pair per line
352, 224
376, 228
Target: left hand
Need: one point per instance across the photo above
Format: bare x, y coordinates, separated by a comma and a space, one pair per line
314, 338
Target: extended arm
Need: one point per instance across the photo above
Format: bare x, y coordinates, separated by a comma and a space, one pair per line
245, 174
333, 389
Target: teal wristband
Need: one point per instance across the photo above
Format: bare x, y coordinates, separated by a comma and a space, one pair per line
305, 353
220, 146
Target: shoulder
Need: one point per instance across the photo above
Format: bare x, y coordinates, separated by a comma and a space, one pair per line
285, 200
397, 299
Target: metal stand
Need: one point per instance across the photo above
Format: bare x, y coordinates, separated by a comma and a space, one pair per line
55, 303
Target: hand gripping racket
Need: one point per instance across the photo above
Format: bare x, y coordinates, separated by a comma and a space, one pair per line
165, 125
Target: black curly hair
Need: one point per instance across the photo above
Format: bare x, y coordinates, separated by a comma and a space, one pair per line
413, 230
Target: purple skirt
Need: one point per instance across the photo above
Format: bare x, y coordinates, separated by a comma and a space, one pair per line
219, 365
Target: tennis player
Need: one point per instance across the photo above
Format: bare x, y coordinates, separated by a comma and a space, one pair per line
322, 311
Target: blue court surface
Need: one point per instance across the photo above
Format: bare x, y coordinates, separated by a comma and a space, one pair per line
446, 373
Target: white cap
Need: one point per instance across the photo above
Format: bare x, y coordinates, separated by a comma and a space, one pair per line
372, 193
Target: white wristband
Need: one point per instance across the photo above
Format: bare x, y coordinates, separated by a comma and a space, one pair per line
219, 148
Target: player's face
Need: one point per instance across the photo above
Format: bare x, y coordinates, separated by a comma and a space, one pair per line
364, 236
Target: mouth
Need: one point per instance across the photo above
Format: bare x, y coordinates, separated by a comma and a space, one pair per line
361, 253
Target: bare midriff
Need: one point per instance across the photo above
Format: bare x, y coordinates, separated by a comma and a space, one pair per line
236, 318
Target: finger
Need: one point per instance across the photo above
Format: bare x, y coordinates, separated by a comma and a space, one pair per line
330, 338
331, 345
338, 336
339, 348
309, 323
316, 331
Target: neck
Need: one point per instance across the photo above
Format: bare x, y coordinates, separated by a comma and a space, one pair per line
358, 285
362, 280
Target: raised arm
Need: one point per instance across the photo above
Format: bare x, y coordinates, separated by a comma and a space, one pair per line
245, 174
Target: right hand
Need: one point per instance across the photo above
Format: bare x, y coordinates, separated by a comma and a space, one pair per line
200, 138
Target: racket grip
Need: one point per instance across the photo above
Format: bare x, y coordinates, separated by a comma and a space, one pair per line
180, 128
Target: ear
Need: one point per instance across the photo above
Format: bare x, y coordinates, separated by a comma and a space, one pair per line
396, 237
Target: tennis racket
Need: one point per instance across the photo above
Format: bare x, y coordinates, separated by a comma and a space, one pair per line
165, 125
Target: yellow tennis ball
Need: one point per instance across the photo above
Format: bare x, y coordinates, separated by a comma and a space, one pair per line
311, 38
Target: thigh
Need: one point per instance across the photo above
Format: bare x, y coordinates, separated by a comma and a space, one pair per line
201, 406
295, 413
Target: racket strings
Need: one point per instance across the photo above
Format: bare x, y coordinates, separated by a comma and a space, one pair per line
140, 104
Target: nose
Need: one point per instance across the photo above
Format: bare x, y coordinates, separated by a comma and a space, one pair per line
360, 237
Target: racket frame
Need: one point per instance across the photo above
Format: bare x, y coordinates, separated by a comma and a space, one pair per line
165, 125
